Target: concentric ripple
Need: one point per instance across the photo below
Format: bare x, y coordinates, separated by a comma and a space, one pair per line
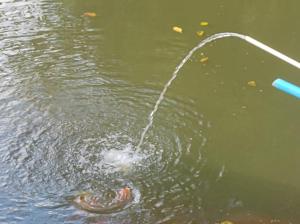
70, 123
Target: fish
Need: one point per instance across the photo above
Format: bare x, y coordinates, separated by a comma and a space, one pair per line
95, 204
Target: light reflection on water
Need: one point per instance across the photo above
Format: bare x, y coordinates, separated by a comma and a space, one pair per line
71, 116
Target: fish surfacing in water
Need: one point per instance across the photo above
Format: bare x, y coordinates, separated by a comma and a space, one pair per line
93, 203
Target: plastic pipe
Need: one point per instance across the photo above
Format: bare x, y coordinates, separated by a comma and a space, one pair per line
287, 87
272, 51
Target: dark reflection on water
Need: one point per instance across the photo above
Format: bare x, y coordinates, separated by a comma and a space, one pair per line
71, 114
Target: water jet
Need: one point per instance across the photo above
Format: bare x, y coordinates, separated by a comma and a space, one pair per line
284, 86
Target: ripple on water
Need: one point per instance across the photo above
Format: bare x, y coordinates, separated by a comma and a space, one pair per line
69, 123
52, 156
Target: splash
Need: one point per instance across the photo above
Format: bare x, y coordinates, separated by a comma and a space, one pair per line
187, 57
115, 160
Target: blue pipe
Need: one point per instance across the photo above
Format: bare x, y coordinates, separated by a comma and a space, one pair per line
287, 87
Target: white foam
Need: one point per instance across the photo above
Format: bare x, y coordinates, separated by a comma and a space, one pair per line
113, 160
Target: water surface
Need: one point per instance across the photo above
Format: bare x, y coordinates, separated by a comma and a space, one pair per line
75, 94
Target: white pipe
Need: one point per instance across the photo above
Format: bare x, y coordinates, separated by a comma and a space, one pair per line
272, 51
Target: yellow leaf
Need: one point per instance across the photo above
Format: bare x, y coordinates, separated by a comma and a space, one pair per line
252, 83
203, 60
203, 23
200, 33
177, 29
227, 222
90, 14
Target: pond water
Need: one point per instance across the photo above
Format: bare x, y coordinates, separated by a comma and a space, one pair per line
76, 92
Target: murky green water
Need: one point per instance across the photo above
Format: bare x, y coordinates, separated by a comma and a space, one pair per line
75, 94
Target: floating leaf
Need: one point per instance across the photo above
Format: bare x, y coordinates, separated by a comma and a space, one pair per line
200, 33
227, 222
177, 29
252, 83
203, 23
204, 60
90, 14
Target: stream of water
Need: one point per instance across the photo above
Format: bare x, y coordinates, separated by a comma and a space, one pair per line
189, 55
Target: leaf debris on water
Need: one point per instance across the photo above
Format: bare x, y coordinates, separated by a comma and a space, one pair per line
203, 23
227, 222
90, 14
204, 60
251, 83
177, 29
200, 33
